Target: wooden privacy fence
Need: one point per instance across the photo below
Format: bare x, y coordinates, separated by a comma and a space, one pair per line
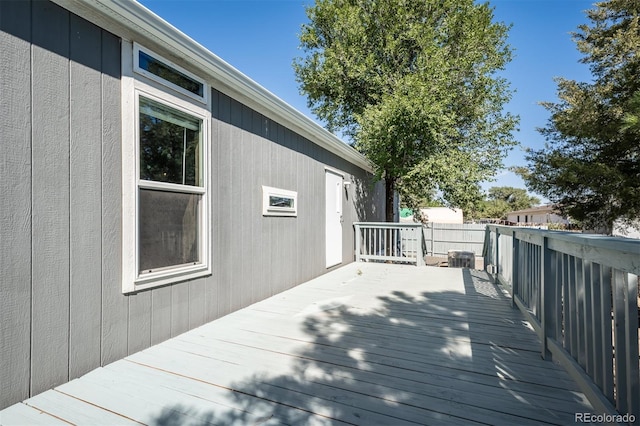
385, 241
441, 237
580, 293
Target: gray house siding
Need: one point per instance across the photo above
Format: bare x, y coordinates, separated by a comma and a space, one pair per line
251, 150
59, 180
62, 310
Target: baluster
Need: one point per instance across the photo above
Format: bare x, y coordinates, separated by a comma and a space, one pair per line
625, 315
588, 318
580, 314
548, 293
516, 281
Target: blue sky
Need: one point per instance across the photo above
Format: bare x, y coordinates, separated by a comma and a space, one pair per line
260, 39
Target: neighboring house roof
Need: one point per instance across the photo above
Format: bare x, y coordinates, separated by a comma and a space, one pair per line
549, 208
127, 18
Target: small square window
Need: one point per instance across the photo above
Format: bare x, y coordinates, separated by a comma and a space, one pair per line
279, 202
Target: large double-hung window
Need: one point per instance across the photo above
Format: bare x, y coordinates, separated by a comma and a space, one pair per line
166, 215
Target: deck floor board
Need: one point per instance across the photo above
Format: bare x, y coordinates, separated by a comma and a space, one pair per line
367, 344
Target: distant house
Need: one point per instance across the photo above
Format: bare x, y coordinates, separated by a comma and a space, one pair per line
147, 187
541, 215
623, 230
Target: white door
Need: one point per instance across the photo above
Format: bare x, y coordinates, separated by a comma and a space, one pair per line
333, 218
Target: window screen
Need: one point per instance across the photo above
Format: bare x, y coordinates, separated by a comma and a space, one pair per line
168, 227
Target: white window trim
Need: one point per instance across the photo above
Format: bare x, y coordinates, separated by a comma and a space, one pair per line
132, 87
136, 67
267, 210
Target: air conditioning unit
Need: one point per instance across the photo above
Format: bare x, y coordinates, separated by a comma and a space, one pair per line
461, 259
491, 269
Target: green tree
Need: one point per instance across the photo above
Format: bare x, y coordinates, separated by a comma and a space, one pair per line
413, 84
590, 164
516, 198
501, 200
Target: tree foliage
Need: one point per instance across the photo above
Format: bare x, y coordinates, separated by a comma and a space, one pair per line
501, 200
413, 84
516, 198
590, 164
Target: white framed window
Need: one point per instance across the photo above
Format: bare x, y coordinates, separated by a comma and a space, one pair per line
166, 206
279, 202
163, 71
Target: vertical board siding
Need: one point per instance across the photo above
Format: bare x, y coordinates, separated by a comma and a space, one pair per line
15, 201
245, 216
222, 210
62, 310
60, 81
179, 309
139, 324
259, 256
212, 293
115, 310
260, 251
160, 314
85, 174
50, 197
196, 303
234, 211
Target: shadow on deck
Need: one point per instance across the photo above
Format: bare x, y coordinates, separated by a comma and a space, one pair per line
368, 344
430, 357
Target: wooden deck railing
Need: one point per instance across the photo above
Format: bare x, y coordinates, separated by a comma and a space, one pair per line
385, 241
580, 293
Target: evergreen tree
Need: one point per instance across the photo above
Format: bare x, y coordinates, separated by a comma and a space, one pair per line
590, 165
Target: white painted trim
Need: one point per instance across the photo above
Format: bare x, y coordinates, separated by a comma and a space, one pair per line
335, 171
131, 20
267, 210
129, 170
166, 186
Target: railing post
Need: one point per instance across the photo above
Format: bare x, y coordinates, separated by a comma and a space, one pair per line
419, 239
497, 254
515, 272
547, 298
625, 316
358, 242
433, 241
486, 249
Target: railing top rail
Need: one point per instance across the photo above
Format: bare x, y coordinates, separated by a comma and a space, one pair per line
630, 245
628, 249
387, 224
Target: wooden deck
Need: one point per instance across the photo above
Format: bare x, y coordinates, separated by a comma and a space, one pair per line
369, 344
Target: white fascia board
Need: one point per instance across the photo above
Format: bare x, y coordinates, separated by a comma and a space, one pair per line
129, 19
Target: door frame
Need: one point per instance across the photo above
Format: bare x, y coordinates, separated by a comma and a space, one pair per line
334, 242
